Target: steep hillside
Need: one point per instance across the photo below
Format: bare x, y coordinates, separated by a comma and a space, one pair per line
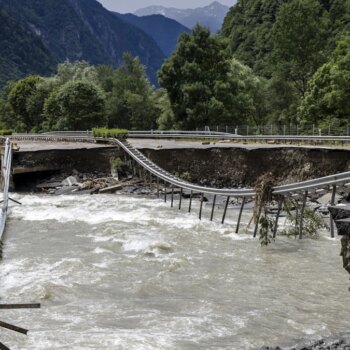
210, 16
248, 25
85, 30
163, 30
22, 52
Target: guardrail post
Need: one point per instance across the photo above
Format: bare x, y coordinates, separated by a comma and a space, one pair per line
240, 214
201, 206
301, 226
213, 208
172, 195
158, 187
257, 224
190, 203
280, 204
225, 210
165, 190
334, 189
180, 199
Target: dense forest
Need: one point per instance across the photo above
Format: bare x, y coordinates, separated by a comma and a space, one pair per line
275, 62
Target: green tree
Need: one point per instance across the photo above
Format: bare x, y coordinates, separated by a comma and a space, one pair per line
327, 100
76, 71
76, 105
7, 117
299, 39
166, 119
26, 100
131, 103
204, 85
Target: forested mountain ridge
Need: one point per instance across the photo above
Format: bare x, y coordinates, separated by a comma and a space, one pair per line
210, 16
248, 26
165, 31
22, 52
85, 30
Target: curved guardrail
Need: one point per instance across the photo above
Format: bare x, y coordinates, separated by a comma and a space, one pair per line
338, 179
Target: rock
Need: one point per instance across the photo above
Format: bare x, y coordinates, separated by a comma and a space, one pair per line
66, 190
111, 189
70, 181
48, 185
339, 213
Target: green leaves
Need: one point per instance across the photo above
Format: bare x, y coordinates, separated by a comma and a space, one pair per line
298, 36
327, 99
204, 85
77, 105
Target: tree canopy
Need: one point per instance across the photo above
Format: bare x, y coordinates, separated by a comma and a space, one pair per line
327, 99
204, 85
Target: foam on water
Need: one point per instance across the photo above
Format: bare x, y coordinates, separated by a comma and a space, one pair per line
120, 272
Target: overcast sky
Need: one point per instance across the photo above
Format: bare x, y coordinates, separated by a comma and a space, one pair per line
124, 6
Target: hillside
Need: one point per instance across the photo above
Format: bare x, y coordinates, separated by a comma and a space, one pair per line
85, 30
163, 30
22, 52
210, 16
248, 26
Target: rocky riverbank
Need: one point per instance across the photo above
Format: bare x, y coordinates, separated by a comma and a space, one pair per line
341, 342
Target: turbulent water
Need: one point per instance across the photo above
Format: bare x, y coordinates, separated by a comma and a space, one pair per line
120, 272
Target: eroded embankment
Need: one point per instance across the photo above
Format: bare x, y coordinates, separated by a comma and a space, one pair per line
236, 166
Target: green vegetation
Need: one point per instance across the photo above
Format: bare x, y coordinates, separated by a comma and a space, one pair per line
327, 98
205, 85
287, 42
106, 133
6, 132
117, 164
312, 222
81, 97
276, 62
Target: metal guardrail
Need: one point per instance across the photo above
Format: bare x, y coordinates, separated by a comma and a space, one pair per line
176, 134
6, 173
338, 179
234, 137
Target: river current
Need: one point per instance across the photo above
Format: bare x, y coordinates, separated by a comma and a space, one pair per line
123, 272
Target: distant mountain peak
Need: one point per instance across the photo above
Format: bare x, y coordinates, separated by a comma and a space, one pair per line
211, 16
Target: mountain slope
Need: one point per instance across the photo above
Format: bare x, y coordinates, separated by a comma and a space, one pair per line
22, 52
210, 16
248, 26
163, 30
85, 30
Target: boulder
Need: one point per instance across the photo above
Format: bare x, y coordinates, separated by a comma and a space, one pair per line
70, 181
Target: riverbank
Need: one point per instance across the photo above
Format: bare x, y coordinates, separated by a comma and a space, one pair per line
340, 342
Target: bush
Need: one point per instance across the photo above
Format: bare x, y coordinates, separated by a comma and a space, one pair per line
114, 133
6, 132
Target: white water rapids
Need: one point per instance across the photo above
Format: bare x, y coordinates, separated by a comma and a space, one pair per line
123, 272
